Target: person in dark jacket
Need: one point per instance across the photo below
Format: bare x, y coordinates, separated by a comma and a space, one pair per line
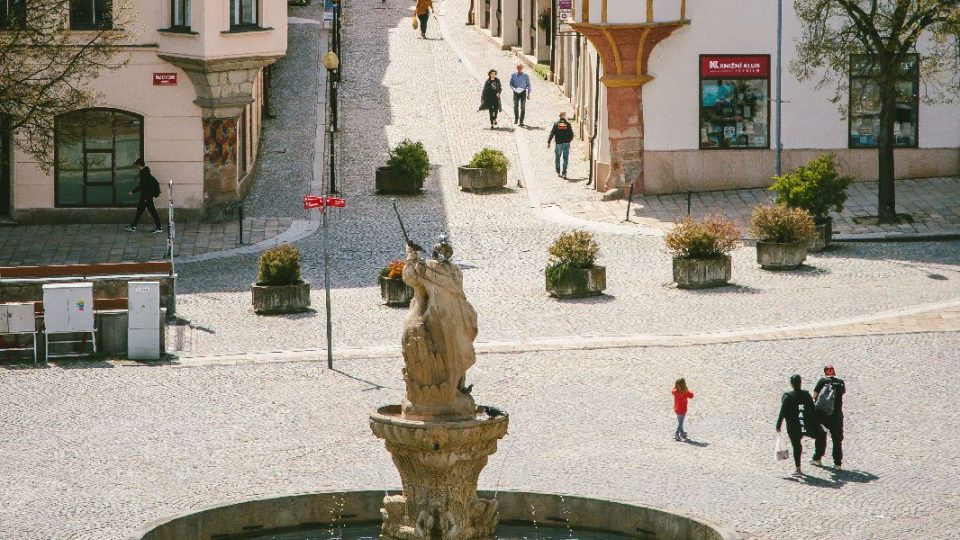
563, 132
834, 421
797, 409
146, 189
490, 97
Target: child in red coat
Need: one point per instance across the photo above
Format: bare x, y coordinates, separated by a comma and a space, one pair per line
680, 396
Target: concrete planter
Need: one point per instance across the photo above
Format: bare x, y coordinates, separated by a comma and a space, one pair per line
701, 273
395, 292
277, 299
388, 180
579, 282
788, 256
471, 179
823, 237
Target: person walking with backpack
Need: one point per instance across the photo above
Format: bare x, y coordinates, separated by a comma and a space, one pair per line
422, 10
828, 398
520, 84
148, 188
798, 411
681, 394
563, 132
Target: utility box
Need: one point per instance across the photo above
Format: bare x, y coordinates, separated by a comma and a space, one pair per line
68, 307
17, 319
143, 326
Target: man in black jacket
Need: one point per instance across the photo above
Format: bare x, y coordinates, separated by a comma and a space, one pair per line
797, 409
563, 132
833, 421
148, 190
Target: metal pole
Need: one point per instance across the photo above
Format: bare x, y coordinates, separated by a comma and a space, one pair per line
240, 216
689, 193
779, 146
326, 286
333, 103
629, 201
333, 168
171, 236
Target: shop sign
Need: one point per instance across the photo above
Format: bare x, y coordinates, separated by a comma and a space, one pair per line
164, 79
734, 66
565, 9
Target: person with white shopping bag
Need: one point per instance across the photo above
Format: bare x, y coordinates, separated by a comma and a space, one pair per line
799, 412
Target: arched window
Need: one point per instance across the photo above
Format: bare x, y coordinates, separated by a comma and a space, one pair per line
95, 151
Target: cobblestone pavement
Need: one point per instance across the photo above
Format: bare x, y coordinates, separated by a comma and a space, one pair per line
95, 453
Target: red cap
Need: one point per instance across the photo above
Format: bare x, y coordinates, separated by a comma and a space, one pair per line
829, 371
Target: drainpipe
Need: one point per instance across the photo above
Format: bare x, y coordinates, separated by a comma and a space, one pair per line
553, 40
596, 121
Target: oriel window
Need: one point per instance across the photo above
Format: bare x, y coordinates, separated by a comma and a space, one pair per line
91, 14
13, 13
244, 13
180, 14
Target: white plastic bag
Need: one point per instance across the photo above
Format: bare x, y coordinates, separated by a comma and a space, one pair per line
780, 449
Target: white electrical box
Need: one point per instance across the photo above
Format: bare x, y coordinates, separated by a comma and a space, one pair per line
17, 318
68, 307
143, 326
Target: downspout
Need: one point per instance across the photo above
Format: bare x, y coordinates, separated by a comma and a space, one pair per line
553, 40
596, 121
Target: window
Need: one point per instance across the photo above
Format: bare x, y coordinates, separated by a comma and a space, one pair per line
243, 13
865, 103
91, 14
180, 14
13, 13
733, 101
95, 151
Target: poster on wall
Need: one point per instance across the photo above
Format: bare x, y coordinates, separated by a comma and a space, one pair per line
565, 8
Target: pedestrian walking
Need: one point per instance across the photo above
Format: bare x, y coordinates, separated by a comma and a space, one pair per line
562, 131
490, 97
828, 398
422, 10
797, 409
149, 188
681, 394
520, 84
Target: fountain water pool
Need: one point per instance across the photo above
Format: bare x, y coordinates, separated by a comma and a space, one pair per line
504, 532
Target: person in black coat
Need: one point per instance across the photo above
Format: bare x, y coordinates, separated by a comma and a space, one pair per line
147, 186
490, 97
799, 412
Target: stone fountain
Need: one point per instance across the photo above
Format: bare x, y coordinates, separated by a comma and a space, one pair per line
439, 438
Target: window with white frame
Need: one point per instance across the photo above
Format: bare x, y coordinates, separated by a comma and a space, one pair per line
244, 13
180, 14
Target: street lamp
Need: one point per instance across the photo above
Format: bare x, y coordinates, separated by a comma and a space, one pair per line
331, 62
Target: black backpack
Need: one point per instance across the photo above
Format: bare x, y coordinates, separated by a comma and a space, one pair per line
827, 398
155, 187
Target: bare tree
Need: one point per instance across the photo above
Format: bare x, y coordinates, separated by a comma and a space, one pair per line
886, 33
45, 66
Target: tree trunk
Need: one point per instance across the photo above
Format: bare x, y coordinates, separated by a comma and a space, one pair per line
886, 202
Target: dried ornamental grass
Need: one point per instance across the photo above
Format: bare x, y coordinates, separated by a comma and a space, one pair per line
705, 238
393, 269
780, 224
577, 249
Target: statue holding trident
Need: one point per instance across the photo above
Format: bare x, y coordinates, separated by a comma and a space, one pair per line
437, 336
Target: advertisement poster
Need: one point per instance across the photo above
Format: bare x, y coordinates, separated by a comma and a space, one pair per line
565, 7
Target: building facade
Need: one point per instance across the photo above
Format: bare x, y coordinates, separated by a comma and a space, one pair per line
678, 95
190, 101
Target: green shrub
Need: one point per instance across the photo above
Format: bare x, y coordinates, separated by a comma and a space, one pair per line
705, 238
489, 158
279, 266
576, 249
410, 159
781, 224
543, 70
816, 187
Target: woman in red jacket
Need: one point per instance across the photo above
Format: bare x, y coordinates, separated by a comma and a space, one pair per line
680, 396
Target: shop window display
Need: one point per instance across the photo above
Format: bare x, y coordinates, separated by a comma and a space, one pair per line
734, 93
865, 103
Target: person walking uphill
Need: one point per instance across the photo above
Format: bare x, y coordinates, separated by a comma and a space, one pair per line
797, 409
563, 132
422, 10
490, 97
148, 188
828, 398
680, 397
520, 84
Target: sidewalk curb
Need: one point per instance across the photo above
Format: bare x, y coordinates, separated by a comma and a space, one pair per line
897, 237
298, 230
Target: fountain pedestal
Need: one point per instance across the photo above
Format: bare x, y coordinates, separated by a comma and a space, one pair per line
439, 463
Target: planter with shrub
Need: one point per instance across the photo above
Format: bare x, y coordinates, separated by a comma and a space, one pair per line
406, 169
701, 251
487, 170
392, 288
782, 235
571, 272
279, 288
818, 188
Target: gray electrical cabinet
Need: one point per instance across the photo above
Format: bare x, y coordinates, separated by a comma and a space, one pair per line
143, 320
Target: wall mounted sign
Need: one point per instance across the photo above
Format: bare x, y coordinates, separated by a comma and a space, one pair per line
751, 66
164, 79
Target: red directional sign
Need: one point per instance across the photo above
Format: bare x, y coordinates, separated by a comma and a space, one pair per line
336, 202
310, 201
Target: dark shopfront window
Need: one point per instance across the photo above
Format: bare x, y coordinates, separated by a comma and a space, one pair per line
865, 103
13, 13
243, 13
95, 150
734, 94
91, 14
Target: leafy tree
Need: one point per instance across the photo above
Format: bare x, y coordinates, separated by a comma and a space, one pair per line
45, 66
886, 31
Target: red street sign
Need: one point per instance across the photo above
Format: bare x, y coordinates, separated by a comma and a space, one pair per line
164, 79
336, 202
310, 201
756, 66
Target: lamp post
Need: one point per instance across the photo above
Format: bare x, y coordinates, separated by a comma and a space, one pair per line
331, 62
337, 12
778, 163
